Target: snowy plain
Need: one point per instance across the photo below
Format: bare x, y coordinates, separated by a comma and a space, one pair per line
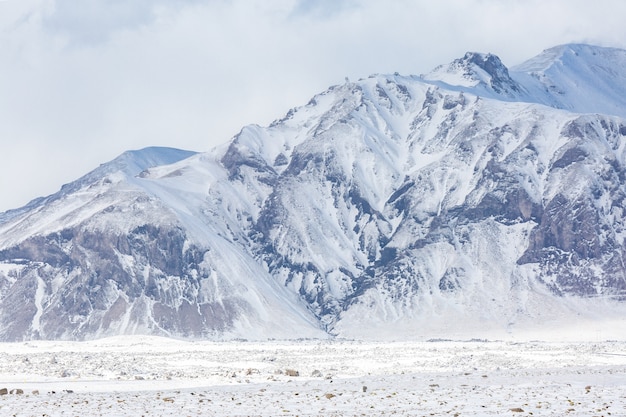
151, 376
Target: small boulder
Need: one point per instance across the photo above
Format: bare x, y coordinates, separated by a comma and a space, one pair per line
4, 391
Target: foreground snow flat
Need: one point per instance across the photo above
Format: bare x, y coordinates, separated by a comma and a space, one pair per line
162, 377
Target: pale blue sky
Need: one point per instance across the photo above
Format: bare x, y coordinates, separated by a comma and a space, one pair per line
82, 81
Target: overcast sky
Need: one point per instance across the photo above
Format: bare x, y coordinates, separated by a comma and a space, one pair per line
81, 81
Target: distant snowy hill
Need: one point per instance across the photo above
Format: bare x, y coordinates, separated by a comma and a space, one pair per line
473, 197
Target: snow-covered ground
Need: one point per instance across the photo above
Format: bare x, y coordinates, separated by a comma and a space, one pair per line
148, 376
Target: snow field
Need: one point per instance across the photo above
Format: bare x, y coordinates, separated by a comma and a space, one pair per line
151, 376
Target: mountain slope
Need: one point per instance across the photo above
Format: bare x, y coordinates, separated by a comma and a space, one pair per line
579, 78
107, 255
471, 198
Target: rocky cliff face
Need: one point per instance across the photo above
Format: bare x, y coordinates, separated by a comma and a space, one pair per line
390, 206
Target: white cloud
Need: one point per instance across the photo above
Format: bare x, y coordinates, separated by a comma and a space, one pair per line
82, 81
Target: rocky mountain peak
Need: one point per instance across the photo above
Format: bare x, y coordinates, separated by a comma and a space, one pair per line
497, 73
476, 69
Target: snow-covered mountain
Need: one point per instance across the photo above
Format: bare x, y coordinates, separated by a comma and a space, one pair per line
575, 77
472, 197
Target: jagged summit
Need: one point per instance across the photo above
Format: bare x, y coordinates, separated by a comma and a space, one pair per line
498, 74
394, 207
482, 72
